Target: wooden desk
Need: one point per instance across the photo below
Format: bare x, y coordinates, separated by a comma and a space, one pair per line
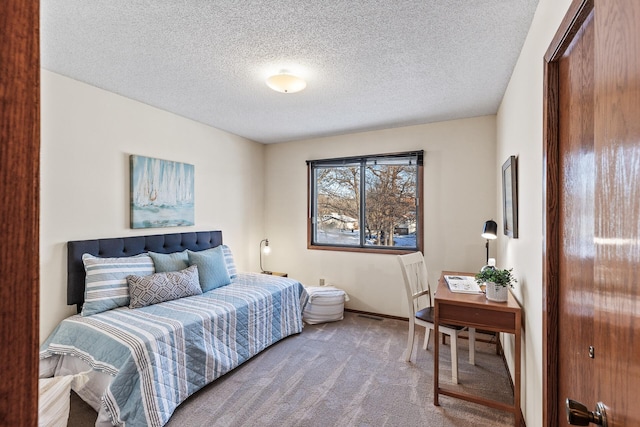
477, 312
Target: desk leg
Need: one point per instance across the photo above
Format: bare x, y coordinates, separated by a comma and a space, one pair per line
436, 355
516, 390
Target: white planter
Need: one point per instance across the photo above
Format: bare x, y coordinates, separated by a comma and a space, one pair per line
496, 293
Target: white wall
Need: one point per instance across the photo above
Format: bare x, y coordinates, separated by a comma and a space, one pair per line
87, 137
519, 130
459, 197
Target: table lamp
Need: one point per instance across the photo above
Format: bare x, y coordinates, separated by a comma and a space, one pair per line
490, 232
266, 250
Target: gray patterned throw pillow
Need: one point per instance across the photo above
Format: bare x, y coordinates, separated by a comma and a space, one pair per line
160, 287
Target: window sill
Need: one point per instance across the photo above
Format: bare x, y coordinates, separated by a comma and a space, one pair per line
385, 251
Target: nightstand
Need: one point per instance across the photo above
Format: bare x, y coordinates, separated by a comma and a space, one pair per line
276, 273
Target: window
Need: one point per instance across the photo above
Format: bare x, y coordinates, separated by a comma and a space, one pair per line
368, 203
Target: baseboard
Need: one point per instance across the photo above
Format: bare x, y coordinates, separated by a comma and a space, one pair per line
506, 366
369, 313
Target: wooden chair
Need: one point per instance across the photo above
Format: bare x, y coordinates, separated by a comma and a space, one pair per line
414, 272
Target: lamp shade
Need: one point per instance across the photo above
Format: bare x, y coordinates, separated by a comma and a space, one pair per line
490, 230
286, 83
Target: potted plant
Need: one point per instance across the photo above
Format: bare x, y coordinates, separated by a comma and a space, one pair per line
496, 283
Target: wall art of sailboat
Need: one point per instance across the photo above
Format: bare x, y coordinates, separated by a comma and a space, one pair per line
161, 193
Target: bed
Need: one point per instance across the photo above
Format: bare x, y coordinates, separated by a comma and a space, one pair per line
144, 361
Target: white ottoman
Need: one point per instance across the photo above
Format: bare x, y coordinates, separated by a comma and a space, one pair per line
326, 304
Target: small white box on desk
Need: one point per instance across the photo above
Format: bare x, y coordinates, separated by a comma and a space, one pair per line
326, 304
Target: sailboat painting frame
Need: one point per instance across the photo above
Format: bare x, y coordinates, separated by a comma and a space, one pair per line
161, 193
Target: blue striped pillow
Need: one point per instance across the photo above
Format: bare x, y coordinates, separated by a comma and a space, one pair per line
106, 285
229, 262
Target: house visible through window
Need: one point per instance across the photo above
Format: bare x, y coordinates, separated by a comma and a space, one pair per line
368, 203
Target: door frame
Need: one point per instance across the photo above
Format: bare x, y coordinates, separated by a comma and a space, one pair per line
571, 24
19, 209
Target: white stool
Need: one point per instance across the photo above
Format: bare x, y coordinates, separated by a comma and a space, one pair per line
326, 304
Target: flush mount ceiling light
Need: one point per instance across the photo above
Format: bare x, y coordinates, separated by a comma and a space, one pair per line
286, 83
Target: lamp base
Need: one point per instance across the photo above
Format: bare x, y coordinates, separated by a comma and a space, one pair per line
267, 272
487, 246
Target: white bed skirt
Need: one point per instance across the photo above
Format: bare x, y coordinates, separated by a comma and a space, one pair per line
91, 392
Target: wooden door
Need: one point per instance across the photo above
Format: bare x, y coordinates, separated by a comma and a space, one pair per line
592, 219
19, 210
576, 226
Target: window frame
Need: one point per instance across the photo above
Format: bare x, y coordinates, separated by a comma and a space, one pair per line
312, 204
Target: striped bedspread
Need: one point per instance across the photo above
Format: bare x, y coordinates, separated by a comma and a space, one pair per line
161, 354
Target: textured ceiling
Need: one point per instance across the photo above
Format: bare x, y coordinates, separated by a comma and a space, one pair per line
369, 64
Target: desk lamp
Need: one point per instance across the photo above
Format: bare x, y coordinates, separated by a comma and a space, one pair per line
266, 250
490, 232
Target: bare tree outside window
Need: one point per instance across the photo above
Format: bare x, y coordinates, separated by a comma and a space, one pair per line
338, 204
391, 204
368, 202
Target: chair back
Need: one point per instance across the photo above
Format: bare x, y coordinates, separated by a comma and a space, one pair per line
414, 273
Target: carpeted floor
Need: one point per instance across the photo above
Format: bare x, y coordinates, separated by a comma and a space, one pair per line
347, 373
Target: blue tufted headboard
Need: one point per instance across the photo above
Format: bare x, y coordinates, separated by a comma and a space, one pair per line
129, 246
